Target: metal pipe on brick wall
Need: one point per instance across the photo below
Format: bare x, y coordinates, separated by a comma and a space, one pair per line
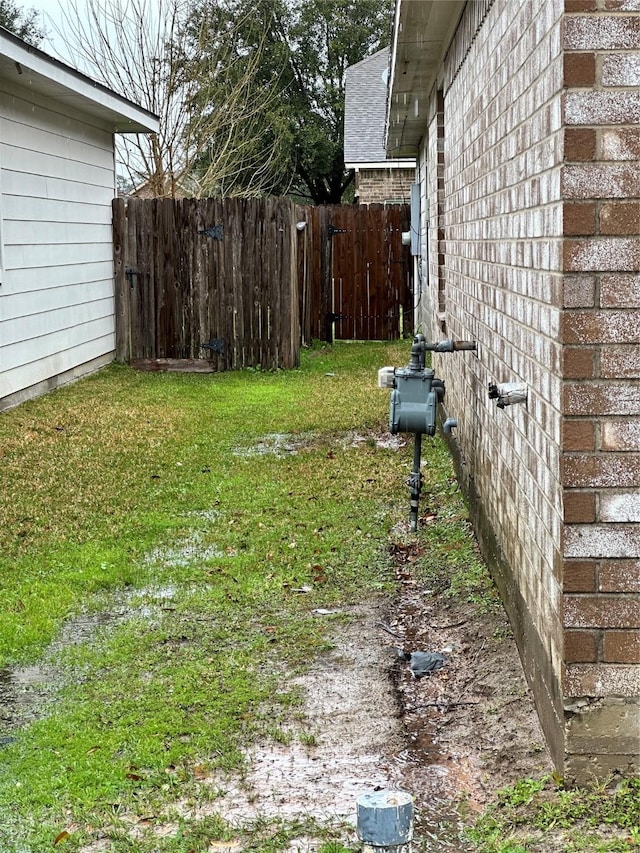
415, 394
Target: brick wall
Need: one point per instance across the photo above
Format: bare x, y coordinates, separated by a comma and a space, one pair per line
377, 186
533, 251
601, 366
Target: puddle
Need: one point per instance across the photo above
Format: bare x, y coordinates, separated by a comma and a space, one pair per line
186, 552
435, 782
277, 444
204, 514
27, 692
385, 441
391, 442
283, 444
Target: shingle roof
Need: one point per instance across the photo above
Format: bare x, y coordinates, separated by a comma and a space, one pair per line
365, 107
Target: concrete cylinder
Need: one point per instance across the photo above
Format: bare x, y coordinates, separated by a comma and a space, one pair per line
385, 821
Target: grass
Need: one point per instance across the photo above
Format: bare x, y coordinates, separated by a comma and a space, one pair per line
144, 496
180, 529
540, 815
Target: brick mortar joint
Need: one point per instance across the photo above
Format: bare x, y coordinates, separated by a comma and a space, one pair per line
602, 12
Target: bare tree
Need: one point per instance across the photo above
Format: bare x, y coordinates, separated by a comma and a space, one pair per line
150, 53
234, 148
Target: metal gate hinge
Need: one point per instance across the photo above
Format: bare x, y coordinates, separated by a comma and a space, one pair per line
215, 231
215, 345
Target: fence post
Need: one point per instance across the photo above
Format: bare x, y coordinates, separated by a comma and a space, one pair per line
122, 296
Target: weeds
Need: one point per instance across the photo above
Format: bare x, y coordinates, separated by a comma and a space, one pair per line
539, 814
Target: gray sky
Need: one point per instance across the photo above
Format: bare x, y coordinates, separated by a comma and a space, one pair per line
49, 13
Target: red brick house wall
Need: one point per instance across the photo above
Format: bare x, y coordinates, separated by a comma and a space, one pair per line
531, 181
601, 368
380, 186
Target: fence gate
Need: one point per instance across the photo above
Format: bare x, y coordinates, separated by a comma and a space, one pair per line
361, 274
208, 281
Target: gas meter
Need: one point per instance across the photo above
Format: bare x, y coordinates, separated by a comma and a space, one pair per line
415, 394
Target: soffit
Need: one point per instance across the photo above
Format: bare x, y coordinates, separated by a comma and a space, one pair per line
422, 32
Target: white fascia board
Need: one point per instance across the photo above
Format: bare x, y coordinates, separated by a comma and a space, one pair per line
408, 163
28, 66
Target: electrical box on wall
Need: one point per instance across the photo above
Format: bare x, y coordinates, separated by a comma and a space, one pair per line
415, 219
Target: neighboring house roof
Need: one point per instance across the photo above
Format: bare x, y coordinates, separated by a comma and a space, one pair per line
422, 32
30, 67
365, 113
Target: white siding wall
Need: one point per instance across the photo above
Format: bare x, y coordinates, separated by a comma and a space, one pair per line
56, 297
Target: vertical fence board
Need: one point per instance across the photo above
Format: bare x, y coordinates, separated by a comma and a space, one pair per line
253, 261
370, 275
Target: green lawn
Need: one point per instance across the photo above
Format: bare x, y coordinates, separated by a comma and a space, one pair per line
155, 531
190, 508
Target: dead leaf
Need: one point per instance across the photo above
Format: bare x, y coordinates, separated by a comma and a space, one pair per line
225, 846
60, 838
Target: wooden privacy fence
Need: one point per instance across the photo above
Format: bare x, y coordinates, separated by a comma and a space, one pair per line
356, 275
207, 278
234, 283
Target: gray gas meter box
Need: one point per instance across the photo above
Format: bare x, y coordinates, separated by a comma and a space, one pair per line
414, 404
415, 394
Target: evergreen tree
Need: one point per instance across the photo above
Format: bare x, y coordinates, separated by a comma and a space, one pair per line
305, 48
21, 22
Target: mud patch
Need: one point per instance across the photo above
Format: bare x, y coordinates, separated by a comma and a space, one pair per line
450, 739
343, 742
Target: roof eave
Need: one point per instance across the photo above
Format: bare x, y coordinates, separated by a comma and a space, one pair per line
28, 66
422, 33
